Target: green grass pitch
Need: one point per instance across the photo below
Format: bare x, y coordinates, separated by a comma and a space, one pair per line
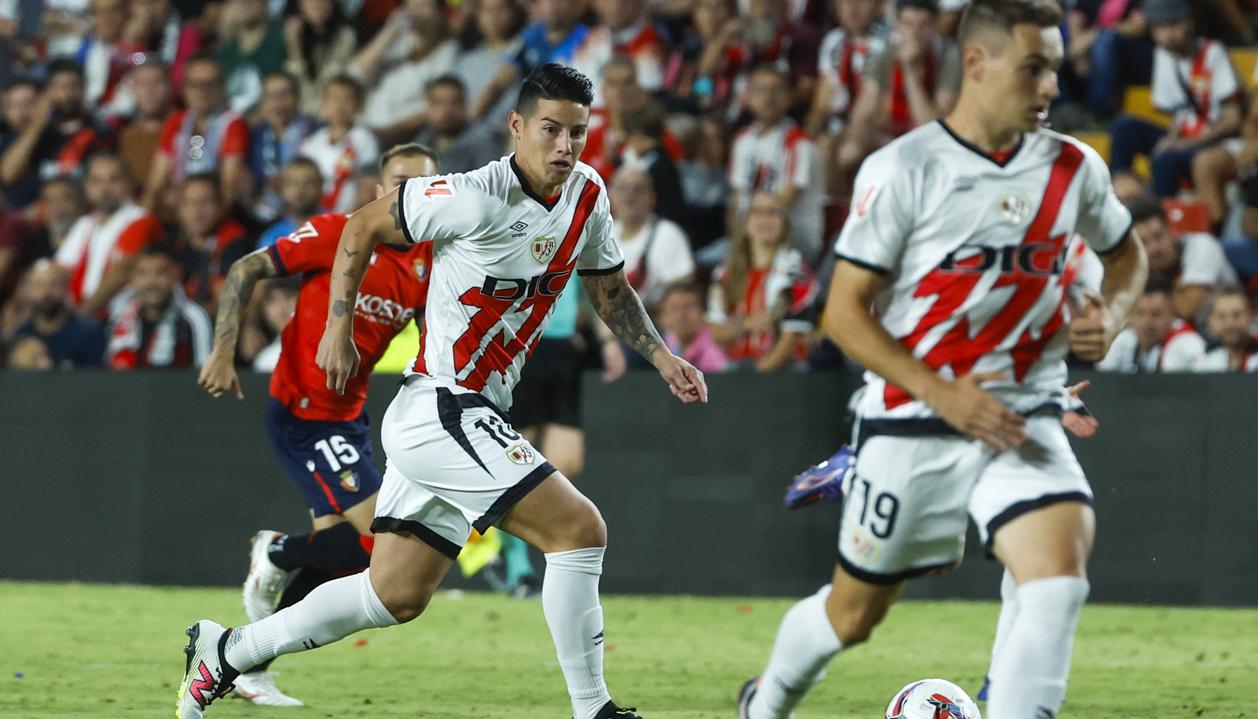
74, 650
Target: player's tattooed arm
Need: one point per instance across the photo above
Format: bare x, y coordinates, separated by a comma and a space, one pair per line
237, 289
622, 311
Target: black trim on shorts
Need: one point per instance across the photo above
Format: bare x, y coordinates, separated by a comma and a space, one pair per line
601, 270
420, 532
450, 412
1017, 509
401, 212
895, 578
867, 429
876, 269
514, 494
1122, 239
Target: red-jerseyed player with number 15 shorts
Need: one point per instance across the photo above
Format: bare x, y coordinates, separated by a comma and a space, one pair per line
959, 240
506, 239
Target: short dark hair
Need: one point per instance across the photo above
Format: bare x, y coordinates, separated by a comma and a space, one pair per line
286, 76
110, 156
351, 82
1002, 15
446, 80
161, 248
24, 80
929, 6
553, 81
687, 287
209, 178
646, 121
1159, 284
203, 56
410, 149
65, 64
303, 161
1146, 206
1230, 291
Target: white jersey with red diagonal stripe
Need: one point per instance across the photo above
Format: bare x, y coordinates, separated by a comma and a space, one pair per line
501, 256
975, 250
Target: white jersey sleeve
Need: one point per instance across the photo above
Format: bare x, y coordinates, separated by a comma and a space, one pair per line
881, 221
601, 254
444, 207
1103, 219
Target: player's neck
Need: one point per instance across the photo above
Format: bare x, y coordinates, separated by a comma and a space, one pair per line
532, 185
982, 134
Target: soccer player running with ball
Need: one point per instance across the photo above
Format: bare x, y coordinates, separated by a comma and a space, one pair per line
320, 437
958, 241
505, 239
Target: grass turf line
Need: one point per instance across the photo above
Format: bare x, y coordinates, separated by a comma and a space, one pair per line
114, 651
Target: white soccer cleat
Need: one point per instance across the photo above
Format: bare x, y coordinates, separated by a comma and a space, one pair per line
266, 581
259, 688
207, 675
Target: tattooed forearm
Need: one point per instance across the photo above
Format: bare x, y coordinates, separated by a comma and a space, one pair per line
349, 253
237, 289
621, 309
340, 307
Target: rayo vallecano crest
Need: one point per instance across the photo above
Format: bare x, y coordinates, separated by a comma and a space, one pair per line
544, 248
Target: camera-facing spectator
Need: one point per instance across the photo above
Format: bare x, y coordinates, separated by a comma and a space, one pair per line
106, 53
657, 253
1192, 263
1194, 83
70, 339
159, 27
763, 34
554, 37
343, 146
279, 302
692, 76
153, 323
498, 25
759, 302
205, 137
321, 44
775, 155
154, 96
412, 48
913, 81
207, 240
63, 203
1234, 348
624, 28
251, 47
1156, 340
99, 251
686, 330
623, 97
461, 145
301, 186
275, 140
705, 181
60, 135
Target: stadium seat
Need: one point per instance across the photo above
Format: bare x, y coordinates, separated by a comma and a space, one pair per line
1098, 141
1138, 102
1245, 60
1187, 215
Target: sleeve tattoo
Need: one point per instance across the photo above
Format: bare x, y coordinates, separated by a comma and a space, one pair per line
621, 309
237, 289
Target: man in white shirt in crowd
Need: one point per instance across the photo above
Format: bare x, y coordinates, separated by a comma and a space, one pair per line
1192, 263
1156, 340
657, 252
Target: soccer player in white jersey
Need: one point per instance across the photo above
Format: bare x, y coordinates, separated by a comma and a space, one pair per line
506, 238
957, 240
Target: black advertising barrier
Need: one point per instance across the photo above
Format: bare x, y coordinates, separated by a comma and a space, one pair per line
143, 478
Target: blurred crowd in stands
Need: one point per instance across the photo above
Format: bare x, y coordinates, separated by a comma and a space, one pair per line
145, 145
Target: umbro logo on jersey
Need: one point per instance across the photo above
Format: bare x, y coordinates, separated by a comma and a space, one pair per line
517, 230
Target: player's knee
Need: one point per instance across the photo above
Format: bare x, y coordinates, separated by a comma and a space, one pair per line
853, 623
405, 604
590, 530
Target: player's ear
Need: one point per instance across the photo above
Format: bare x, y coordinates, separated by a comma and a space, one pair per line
515, 122
974, 55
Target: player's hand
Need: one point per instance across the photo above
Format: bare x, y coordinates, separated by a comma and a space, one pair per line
684, 381
338, 357
1080, 425
218, 375
614, 362
967, 408
1090, 331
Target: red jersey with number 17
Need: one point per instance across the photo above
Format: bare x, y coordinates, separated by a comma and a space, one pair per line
394, 290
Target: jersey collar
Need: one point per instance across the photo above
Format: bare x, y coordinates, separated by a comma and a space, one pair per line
547, 202
999, 162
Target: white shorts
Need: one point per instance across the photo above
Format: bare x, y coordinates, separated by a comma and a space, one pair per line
904, 509
454, 464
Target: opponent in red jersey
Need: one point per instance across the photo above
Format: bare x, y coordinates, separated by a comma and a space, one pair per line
321, 438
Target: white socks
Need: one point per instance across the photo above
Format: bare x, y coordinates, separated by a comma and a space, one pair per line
1008, 612
330, 613
1030, 666
575, 618
805, 644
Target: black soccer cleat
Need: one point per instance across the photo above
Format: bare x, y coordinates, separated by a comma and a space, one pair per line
611, 711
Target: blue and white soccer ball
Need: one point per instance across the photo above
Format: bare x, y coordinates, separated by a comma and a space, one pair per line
932, 699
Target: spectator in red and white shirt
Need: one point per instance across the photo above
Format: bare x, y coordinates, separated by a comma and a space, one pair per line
105, 54
208, 241
206, 137
1156, 340
1193, 82
656, 250
768, 36
1193, 263
343, 146
759, 302
99, 250
605, 142
913, 81
153, 324
1235, 349
624, 28
775, 155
